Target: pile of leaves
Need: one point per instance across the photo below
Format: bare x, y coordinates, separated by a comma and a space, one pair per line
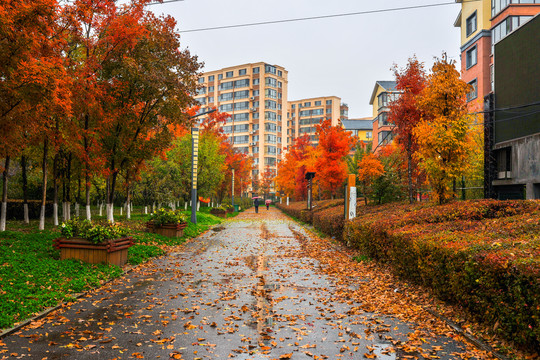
166, 216
95, 232
483, 255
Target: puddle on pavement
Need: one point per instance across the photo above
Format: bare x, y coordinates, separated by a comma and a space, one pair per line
381, 350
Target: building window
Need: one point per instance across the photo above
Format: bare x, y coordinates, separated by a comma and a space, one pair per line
279, 84
211, 78
385, 137
492, 77
256, 81
471, 24
474, 92
241, 83
506, 26
280, 73
241, 94
242, 72
504, 163
383, 119
201, 80
369, 134
269, 69
270, 93
220, 77
318, 103
255, 92
210, 89
307, 104
383, 100
256, 70
471, 57
271, 82
229, 74
293, 106
328, 102
329, 110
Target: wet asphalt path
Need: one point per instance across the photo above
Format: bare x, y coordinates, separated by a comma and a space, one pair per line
240, 291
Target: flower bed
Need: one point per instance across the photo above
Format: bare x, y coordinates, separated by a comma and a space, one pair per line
483, 255
219, 212
168, 229
93, 243
113, 252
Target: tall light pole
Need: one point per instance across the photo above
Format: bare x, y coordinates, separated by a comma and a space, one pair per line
194, 165
232, 189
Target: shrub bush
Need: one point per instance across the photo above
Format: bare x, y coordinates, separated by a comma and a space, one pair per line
483, 255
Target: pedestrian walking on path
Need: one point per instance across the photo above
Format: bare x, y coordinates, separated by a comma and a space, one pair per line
267, 202
256, 204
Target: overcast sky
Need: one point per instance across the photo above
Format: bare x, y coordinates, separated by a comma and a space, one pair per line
341, 56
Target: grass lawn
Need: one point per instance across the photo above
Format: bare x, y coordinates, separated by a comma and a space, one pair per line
33, 278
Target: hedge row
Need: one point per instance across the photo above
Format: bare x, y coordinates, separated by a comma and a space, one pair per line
481, 254
327, 215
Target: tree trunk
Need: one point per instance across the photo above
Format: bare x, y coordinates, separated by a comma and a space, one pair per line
3, 215
111, 182
128, 202
55, 190
409, 168
67, 185
25, 189
87, 180
44, 185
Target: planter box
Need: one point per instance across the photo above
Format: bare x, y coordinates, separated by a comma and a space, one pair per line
113, 252
219, 213
169, 230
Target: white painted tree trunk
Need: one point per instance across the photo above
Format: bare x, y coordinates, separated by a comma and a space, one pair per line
88, 212
121, 210
77, 210
287, 201
101, 209
145, 210
3, 217
128, 212
110, 213
55, 214
26, 217
198, 205
42, 218
185, 206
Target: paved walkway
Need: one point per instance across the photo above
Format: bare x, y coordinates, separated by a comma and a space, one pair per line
244, 290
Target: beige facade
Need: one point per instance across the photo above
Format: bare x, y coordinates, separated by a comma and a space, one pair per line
303, 115
255, 95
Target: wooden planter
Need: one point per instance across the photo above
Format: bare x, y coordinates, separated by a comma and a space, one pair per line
113, 252
169, 230
219, 213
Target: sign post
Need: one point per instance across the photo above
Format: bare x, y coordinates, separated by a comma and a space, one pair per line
351, 183
352, 203
194, 165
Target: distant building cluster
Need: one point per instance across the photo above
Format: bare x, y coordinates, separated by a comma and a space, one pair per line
264, 122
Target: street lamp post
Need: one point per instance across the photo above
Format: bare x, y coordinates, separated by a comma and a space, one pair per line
194, 165
232, 189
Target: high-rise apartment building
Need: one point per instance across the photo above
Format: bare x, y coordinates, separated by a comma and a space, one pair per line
383, 94
304, 114
255, 95
484, 23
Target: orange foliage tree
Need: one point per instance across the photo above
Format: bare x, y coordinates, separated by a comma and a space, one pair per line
299, 159
369, 169
406, 114
443, 135
33, 84
334, 145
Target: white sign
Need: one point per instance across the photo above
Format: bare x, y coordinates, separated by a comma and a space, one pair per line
352, 203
